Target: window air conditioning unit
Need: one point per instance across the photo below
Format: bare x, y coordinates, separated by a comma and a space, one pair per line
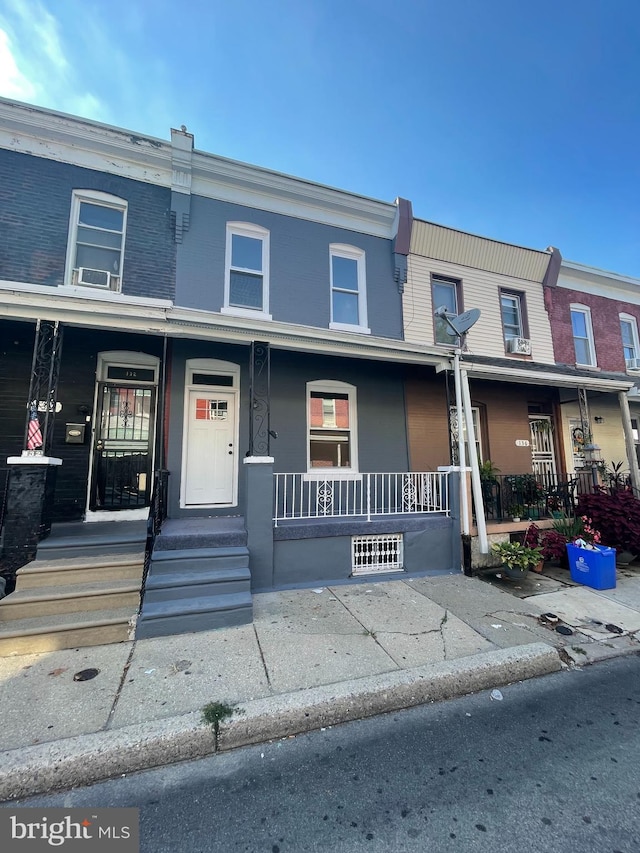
522, 346
96, 278
633, 364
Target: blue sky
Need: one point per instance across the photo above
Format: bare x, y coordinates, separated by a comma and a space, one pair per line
519, 121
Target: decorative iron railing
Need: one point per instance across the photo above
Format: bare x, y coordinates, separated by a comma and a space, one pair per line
359, 495
157, 514
524, 496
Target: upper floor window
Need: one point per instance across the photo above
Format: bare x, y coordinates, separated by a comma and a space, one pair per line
629, 331
348, 289
583, 335
511, 309
331, 416
246, 283
444, 293
96, 240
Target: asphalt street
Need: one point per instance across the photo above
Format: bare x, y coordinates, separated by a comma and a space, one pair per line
554, 765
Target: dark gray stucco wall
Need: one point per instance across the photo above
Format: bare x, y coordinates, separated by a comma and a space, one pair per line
302, 562
299, 266
381, 426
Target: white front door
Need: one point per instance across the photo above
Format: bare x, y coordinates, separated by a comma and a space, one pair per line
210, 453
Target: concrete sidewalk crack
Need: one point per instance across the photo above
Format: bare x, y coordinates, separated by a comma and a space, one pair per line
264, 663
366, 630
125, 672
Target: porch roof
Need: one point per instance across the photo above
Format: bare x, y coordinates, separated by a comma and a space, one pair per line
531, 373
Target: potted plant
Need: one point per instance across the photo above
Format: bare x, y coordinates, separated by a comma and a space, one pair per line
516, 558
516, 511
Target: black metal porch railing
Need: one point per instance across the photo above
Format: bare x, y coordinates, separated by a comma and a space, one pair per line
157, 514
508, 496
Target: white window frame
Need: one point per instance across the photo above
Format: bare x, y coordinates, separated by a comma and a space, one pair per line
255, 232
456, 287
517, 298
101, 199
633, 323
586, 311
339, 250
329, 386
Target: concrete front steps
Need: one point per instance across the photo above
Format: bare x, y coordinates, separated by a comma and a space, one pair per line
83, 589
199, 578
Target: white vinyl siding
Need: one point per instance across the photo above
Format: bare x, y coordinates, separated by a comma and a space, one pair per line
480, 289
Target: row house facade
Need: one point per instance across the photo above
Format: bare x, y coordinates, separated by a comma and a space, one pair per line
526, 394
594, 316
202, 360
217, 379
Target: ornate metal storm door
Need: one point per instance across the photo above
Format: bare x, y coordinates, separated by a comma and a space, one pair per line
123, 447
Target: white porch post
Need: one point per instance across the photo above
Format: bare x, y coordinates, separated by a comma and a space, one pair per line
476, 485
629, 441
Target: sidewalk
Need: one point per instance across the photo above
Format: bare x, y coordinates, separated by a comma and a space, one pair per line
311, 658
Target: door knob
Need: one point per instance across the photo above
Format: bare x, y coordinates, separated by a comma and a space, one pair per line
99, 445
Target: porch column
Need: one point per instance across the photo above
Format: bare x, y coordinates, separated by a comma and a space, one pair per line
29, 502
634, 472
259, 519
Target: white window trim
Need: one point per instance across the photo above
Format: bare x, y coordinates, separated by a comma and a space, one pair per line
332, 386
106, 200
456, 284
256, 232
629, 318
353, 253
518, 298
584, 309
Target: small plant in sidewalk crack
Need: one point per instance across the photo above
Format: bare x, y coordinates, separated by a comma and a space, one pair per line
214, 713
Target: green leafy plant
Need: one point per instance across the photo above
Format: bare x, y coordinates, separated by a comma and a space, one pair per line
214, 713
516, 510
517, 556
488, 471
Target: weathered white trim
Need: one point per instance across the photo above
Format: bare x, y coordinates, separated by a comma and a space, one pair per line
599, 282
72, 292
69, 139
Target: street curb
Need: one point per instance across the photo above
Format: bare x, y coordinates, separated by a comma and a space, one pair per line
87, 759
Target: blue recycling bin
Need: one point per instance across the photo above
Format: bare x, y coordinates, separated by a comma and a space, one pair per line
596, 569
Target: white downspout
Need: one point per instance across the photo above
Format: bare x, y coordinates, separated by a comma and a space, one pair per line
462, 453
476, 486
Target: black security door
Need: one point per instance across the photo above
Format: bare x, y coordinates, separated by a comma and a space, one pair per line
122, 452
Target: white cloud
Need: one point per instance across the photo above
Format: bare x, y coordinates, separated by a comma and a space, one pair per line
34, 65
13, 83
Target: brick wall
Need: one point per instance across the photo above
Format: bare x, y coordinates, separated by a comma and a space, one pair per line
605, 321
35, 204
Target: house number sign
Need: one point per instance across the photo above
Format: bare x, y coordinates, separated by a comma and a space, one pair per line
522, 442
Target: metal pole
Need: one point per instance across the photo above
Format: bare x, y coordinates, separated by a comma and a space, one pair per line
476, 485
462, 453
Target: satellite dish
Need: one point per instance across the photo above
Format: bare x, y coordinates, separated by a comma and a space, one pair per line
463, 322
